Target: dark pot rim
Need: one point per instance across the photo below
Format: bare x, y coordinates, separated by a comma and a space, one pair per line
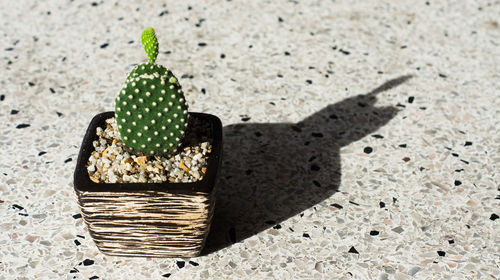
82, 182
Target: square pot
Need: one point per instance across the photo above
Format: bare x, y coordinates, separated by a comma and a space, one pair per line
148, 219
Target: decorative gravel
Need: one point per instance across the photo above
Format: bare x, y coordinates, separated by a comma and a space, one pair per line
110, 162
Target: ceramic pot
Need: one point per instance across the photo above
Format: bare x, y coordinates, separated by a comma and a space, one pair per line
148, 219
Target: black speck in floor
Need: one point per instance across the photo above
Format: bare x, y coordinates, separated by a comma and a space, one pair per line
59, 114
77, 216
17, 207
280, 19
442, 75
451, 241
222, 56
334, 47
368, 150
427, 3
423, 108
374, 232
287, 53
202, 44
74, 270
68, 160
361, 104
52, 90
130, 42
468, 143
377, 136
31, 84
77, 243
344, 52
88, 262
381, 204
410, 99
278, 226
394, 200
315, 167
404, 46
402, 146
80, 236
194, 263
352, 202
2, 97
464, 161
232, 235
309, 81
457, 183
380, 72
181, 264
166, 275
306, 235
459, 170
63, 59
250, 46
441, 253
401, 105
163, 13
104, 45
14, 112
203, 91
94, 4
353, 250
316, 183
41, 153
493, 217
94, 277
23, 125
336, 205
245, 119
317, 134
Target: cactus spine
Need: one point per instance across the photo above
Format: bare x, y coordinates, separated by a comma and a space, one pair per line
150, 110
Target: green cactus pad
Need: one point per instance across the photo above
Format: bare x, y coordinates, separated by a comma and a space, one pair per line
151, 111
150, 43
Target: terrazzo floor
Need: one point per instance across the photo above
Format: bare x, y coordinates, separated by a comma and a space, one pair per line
361, 137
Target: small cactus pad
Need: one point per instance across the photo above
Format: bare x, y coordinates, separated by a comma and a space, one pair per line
150, 43
151, 112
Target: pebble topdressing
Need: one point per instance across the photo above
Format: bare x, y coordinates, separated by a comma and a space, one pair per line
110, 162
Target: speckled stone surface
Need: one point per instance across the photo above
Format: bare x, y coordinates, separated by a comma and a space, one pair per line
361, 137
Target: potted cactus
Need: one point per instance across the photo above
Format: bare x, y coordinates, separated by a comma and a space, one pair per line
146, 173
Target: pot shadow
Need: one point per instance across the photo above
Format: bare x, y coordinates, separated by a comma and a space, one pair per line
274, 171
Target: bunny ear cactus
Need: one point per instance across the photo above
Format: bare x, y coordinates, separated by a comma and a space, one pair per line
150, 110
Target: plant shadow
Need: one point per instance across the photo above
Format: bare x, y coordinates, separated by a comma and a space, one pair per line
274, 171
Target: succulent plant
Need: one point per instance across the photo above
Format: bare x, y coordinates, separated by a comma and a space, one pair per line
150, 110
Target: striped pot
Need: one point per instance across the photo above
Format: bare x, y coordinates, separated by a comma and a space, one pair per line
148, 219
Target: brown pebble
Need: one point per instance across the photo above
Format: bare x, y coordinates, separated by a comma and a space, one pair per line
406, 159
